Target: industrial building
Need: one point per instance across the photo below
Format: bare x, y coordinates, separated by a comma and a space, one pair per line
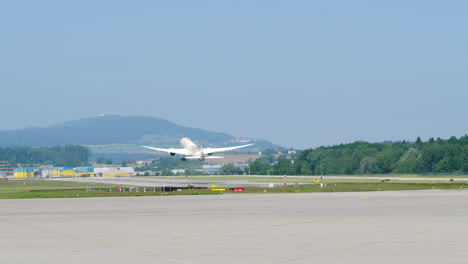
212, 169
23, 173
216, 168
49, 171
114, 172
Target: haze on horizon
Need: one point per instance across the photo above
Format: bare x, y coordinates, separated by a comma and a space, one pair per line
298, 73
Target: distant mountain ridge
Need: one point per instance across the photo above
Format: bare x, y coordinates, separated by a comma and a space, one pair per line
112, 130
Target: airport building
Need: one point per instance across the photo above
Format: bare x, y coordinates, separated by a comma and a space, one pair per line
23, 173
84, 172
114, 172
216, 168
49, 171
212, 169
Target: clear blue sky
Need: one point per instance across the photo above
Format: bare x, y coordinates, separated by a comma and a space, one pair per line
298, 73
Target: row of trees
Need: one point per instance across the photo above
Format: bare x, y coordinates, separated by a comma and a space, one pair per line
169, 163
104, 160
191, 167
69, 155
433, 156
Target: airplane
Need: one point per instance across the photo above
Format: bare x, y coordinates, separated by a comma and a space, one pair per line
191, 151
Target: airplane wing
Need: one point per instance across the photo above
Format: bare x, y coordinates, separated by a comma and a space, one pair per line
171, 150
213, 150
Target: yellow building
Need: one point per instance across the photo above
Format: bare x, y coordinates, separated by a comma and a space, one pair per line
68, 172
65, 171
73, 172
23, 173
57, 172
116, 172
85, 174
84, 171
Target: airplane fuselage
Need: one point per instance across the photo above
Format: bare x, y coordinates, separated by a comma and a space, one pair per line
192, 148
191, 151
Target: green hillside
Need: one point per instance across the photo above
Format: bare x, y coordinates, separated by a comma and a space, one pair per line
118, 134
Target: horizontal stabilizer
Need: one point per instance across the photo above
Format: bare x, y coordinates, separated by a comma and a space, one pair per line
206, 157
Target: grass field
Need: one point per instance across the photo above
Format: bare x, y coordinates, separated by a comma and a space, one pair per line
28, 184
80, 193
377, 186
23, 189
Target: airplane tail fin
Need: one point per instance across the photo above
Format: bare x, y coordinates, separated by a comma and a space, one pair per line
202, 147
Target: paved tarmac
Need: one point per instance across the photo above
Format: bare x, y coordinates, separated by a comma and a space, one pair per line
180, 181
367, 227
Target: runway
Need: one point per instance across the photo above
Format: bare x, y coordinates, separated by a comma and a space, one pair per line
366, 227
180, 181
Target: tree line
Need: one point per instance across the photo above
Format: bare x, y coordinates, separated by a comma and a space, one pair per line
68, 155
434, 156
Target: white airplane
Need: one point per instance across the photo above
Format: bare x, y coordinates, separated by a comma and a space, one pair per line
191, 151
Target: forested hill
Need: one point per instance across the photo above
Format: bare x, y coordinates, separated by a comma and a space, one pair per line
114, 129
68, 155
439, 156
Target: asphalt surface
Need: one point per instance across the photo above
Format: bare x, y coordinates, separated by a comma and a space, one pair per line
367, 227
178, 181
193, 181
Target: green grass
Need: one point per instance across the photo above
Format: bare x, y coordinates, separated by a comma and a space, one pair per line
29, 184
367, 186
23, 189
95, 193
28, 188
